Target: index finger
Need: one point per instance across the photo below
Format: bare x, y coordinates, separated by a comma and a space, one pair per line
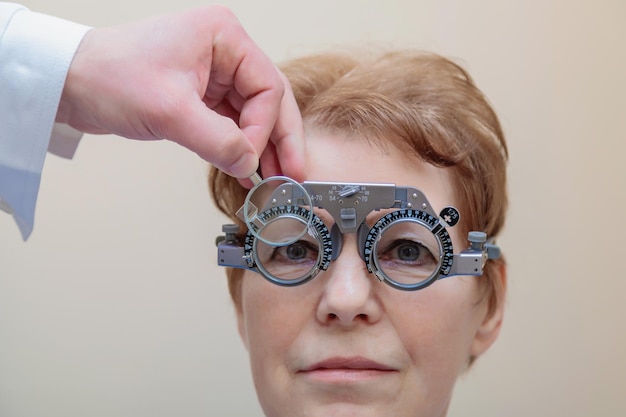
288, 136
238, 63
260, 84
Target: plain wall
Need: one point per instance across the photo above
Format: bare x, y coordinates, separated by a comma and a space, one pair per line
115, 306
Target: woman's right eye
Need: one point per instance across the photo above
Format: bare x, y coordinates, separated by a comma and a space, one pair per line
300, 251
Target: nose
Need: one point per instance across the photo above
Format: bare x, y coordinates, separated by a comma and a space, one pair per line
349, 295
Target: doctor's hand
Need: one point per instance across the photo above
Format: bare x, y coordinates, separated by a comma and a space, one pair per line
195, 78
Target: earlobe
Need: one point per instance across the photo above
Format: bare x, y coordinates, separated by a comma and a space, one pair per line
489, 329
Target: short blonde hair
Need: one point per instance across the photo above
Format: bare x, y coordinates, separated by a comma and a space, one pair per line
421, 103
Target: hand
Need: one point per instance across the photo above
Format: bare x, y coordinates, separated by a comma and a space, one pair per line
195, 78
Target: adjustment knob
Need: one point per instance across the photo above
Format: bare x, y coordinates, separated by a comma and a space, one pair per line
230, 229
477, 239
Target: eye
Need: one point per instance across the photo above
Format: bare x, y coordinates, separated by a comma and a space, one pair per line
407, 252
296, 251
300, 251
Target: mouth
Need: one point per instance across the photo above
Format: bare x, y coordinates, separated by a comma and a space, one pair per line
346, 370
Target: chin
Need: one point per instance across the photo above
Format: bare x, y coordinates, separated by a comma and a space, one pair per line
334, 410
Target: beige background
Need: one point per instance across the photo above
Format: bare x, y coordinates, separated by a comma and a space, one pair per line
115, 307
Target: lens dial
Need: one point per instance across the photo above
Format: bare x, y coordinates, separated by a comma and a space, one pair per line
408, 249
268, 197
291, 258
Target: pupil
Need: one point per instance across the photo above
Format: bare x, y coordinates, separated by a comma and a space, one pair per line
408, 253
296, 252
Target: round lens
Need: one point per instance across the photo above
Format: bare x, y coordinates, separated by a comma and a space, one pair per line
271, 199
407, 253
294, 261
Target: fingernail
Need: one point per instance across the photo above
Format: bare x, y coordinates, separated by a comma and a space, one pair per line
245, 166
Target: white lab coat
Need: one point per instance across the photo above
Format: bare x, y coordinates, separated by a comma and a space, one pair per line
35, 54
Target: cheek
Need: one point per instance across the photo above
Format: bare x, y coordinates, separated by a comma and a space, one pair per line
437, 325
271, 316
272, 320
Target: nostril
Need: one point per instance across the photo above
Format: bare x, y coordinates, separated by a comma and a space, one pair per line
358, 317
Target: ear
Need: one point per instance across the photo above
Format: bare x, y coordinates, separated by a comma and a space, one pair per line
489, 329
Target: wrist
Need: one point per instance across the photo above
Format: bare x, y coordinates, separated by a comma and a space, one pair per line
74, 84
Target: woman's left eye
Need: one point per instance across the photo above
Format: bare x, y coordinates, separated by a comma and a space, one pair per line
407, 251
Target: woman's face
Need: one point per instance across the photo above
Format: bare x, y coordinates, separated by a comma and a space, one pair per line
345, 344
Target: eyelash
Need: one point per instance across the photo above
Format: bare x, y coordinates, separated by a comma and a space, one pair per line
423, 250
278, 252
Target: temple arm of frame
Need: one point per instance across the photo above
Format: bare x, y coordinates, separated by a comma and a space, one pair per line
472, 260
230, 252
231, 255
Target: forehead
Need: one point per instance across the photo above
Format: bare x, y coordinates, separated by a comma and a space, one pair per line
340, 158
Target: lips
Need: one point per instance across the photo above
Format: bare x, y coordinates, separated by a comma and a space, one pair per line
346, 371
348, 364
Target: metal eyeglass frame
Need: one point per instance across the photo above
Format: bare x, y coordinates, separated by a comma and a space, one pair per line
349, 204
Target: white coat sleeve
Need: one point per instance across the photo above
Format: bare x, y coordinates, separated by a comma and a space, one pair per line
35, 54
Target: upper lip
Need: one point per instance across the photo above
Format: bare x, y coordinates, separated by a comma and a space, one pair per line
355, 362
